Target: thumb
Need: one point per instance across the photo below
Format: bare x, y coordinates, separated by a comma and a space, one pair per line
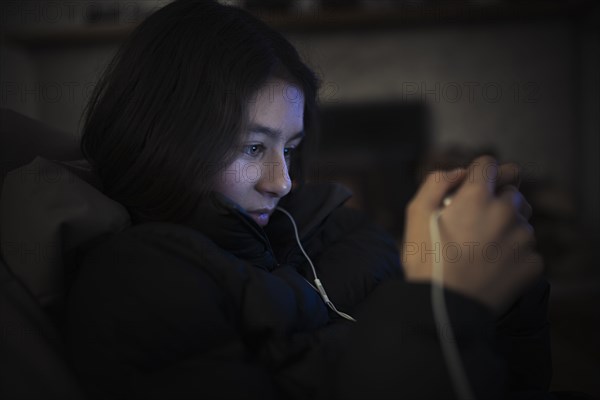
436, 186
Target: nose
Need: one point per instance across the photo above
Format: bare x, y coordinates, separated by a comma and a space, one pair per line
274, 179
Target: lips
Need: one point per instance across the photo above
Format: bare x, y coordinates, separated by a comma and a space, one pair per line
261, 216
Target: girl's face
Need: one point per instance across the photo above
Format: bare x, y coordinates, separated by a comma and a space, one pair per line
258, 177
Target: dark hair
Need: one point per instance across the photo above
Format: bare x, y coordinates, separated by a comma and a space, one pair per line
169, 108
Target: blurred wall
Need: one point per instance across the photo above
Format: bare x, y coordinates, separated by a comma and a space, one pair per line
52, 84
509, 87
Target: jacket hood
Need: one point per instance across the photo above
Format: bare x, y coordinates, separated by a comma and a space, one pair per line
54, 209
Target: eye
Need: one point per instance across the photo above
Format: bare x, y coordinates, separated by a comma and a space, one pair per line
253, 150
288, 151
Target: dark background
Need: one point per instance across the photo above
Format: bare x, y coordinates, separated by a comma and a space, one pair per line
407, 86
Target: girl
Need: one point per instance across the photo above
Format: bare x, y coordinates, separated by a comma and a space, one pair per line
238, 279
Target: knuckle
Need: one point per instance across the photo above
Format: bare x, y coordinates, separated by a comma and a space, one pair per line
486, 159
431, 177
511, 168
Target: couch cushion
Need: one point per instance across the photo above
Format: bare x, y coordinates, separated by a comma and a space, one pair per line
23, 138
49, 210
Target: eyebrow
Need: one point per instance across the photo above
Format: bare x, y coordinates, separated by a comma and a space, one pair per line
274, 133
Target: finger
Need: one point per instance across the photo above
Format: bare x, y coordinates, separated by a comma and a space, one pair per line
509, 174
436, 186
526, 210
515, 197
523, 242
483, 172
511, 194
503, 216
525, 223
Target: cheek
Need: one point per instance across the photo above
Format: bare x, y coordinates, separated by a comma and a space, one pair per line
236, 179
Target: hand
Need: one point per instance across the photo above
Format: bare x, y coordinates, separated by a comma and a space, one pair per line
487, 245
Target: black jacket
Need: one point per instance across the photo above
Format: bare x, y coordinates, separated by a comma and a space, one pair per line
221, 309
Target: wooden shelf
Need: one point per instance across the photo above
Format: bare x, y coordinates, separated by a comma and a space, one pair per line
427, 15
68, 35
325, 20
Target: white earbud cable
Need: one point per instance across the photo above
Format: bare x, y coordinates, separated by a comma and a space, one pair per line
318, 286
440, 315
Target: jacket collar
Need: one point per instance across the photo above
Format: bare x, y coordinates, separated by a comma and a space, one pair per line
230, 227
309, 205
